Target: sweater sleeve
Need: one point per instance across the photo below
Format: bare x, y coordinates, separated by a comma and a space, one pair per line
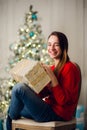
67, 89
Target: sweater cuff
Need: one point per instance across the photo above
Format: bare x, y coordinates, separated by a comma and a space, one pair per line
53, 88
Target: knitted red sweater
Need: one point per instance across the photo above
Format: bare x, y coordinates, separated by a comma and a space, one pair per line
63, 98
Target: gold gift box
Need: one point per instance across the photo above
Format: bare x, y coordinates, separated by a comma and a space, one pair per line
32, 73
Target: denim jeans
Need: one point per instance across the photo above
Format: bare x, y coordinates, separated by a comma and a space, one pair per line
26, 103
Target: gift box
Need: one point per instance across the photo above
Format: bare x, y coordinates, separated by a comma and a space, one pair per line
80, 111
32, 73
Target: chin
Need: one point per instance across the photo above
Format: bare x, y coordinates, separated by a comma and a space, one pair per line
54, 57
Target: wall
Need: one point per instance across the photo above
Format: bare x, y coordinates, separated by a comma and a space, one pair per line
68, 16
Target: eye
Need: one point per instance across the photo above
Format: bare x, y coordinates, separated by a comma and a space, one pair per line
57, 44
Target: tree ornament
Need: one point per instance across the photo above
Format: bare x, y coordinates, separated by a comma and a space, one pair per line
34, 16
31, 34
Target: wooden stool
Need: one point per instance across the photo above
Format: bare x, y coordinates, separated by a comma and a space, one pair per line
28, 124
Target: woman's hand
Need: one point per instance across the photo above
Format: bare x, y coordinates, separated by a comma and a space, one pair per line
54, 80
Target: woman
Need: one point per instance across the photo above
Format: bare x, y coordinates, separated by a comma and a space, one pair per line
60, 95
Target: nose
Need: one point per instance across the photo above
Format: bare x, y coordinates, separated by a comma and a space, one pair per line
52, 47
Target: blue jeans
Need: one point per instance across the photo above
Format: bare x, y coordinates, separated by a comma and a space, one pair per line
26, 103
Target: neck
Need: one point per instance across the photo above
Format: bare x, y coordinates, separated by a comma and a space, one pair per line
56, 61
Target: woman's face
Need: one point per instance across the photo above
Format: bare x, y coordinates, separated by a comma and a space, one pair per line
53, 47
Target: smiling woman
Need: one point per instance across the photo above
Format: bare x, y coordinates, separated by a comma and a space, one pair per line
60, 95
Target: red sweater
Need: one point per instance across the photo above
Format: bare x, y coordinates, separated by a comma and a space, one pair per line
63, 98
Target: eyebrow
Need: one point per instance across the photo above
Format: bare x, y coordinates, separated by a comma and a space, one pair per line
55, 43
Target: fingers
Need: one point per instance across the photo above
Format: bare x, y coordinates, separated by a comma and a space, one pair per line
45, 66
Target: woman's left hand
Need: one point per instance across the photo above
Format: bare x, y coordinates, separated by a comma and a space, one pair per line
54, 80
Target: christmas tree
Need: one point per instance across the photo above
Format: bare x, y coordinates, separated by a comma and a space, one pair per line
31, 42
30, 45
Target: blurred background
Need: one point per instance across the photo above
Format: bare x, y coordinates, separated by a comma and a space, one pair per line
67, 16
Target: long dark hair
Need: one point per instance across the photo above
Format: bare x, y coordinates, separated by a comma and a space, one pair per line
63, 42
